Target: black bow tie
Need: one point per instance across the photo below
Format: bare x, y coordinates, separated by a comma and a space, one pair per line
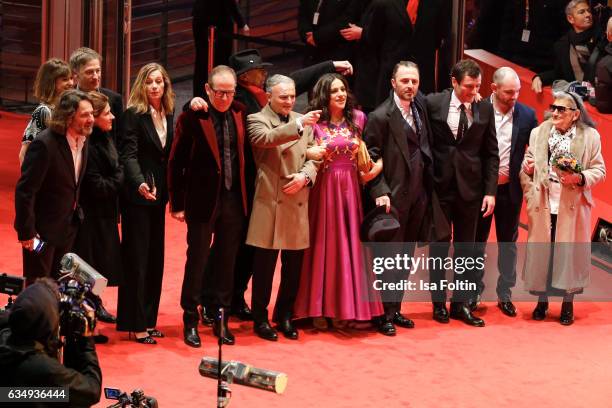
284, 118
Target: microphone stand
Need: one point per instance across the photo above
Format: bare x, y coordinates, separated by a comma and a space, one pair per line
223, 391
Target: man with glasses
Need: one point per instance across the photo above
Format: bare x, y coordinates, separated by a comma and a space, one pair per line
208, 191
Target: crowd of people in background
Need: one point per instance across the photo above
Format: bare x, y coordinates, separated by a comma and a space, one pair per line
268, 182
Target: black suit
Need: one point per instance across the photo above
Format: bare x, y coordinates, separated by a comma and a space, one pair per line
143, 221
47, 202
196, 184
395, 39
334, 15
406, 178
508, 203
366, 63
464, 172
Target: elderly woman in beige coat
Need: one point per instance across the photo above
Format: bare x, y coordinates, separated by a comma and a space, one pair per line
559, 204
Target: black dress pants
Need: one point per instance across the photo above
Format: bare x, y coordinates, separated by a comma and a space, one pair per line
142, 251
506, 215
462, 216
226, 225
223, 50
263, 275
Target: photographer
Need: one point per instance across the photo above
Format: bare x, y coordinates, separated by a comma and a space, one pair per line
29, 349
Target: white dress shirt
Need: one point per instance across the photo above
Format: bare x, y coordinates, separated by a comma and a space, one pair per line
404, 108
454, 111
162, 131
503, 127
76, 144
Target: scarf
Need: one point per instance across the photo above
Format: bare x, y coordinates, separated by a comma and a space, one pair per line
258, 93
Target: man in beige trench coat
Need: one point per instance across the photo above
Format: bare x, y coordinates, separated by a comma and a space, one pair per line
279, 221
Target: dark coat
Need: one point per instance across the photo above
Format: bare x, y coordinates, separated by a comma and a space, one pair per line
523, 121
472, 164
563, 67
47, 195
603, 89
98, 239
194, 167
24, 360
391, 30
333, 17
366, 62
116, 104
385, 137
142, 155
220, 13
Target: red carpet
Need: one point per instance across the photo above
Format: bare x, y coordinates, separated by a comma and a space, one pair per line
510, 363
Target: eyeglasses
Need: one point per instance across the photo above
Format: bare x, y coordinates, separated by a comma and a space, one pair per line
559, 108
221, 94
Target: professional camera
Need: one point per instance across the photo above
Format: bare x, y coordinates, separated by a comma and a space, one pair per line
12, 286
137, 399
77, 308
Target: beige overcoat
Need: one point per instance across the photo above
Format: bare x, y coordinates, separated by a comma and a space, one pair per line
279, 220
571, 265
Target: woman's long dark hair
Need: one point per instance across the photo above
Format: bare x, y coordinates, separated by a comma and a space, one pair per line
321, 96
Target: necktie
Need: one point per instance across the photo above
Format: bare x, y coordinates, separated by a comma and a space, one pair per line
227, 160
417, 120
463, 123
411, 9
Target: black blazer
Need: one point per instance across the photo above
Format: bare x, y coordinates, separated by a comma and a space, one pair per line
47, 195
103, 177
470, 165
116, 104
194, 167
333, 16
142, 155
523, 121
391, 31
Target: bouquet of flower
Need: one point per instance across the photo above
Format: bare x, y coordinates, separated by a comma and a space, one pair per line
567, 162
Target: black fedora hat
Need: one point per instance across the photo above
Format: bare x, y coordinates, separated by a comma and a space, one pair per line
380, 226
246, 60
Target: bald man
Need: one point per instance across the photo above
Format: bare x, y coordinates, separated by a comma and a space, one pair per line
513, 124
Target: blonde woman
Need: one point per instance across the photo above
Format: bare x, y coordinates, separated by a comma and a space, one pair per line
144, 149
53, 78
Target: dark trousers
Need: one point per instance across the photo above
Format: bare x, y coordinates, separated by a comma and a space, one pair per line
243, 270
462, 216
226, 224
264, 264
506, 216
44, 264
223, 50
410, 224
142, 250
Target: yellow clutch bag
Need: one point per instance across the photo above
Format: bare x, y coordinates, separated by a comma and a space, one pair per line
364, 162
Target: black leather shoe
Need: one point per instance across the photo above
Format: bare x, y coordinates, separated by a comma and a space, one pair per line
265, 331
228, 337
567, 313
507, 308
192, 338
206, 317
539, 313
460, 311
242, 312
402, 321
440, 313
104, 316
386, 327
288, 330
474, 303
100, 338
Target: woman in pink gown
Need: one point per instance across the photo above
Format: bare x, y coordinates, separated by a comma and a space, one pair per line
333, 282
